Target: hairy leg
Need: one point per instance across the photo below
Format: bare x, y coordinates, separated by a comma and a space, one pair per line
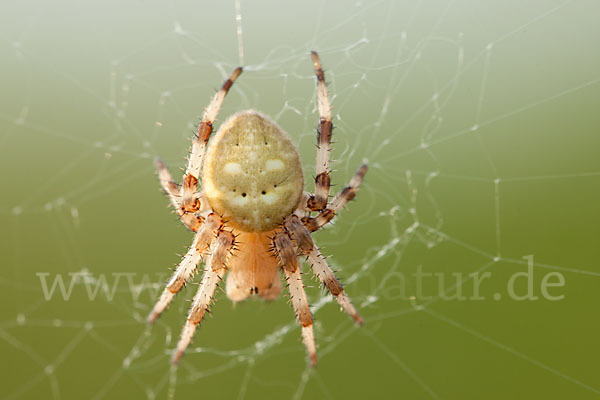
172, 190
348, 193
215, 269
322, 178
289, 261
190, 202
307, 246
188, 264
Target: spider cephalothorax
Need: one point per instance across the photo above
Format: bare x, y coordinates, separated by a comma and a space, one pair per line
252, 219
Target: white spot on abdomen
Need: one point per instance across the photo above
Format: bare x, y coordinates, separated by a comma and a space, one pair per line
269, 198
238, 200
273, 165
233, 168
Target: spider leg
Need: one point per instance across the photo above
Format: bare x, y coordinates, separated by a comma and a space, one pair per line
289, 260
172, 189
188, 264
215, 269
307, 246
303, 210
322, 179
189, 202
315, 223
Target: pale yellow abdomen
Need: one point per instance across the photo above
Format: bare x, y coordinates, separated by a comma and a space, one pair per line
252, 174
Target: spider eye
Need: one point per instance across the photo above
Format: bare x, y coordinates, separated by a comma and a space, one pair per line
263, 192
243, 194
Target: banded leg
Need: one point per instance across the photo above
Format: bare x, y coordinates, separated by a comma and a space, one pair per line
215, 269
289, 261
347, 194
188, 265
307, 246
172, 190
189, 201
322, 178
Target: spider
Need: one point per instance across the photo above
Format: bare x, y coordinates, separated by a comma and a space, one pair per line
252, 218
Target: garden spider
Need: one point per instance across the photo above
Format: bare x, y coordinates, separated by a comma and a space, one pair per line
252, 218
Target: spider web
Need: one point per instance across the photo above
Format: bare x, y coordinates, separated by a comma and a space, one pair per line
479, 123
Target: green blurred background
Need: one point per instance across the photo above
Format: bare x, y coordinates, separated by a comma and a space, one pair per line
480, 123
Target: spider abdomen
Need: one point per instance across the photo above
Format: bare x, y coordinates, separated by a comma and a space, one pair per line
252, 174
